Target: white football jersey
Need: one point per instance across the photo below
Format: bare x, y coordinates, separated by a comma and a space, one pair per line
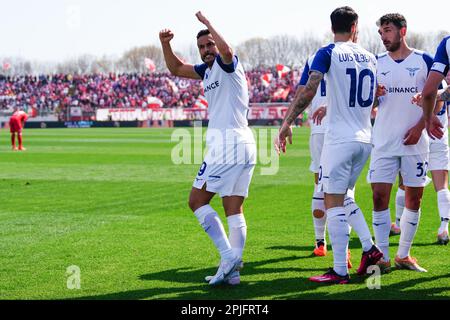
396, 113
226, 91
350, 74
319, 100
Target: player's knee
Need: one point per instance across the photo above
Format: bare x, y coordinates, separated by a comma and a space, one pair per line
413, 203
380, 200
195, 203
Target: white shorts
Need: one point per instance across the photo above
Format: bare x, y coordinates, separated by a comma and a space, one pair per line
341, 164
225, 176
439, 156
384, 169
315, 148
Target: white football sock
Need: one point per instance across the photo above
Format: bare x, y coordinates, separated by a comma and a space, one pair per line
399, 206
408, 225
381, 222
339, 232
212, 225
357, 221
237, 233
320, 224
443, 198
351, 193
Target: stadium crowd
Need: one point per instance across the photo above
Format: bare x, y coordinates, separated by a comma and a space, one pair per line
53, 93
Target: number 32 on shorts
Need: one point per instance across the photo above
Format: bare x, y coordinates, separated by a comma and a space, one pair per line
422, 169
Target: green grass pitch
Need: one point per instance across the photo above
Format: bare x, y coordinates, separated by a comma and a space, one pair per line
111, 202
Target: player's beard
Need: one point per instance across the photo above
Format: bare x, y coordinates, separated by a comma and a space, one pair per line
208, 60
394, 45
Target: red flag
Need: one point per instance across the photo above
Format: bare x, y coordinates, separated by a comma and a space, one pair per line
201, 103
266, 78
150, 65
281, 93
282, 70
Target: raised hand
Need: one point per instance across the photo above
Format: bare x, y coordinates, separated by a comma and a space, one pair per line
202, 18
165, 35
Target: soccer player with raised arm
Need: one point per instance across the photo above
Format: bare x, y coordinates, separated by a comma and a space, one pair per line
350, 74
400, 143
229, 163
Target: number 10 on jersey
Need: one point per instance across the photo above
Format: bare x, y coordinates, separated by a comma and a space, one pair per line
357, 86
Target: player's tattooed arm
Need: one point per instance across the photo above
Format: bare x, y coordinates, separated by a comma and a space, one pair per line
444, 95
225, 50
301, 101
303, 97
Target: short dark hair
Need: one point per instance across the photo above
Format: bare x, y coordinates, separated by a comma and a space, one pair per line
397, 20
203, 32
342, 19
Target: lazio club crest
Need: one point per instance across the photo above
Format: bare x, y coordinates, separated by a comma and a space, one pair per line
412, 71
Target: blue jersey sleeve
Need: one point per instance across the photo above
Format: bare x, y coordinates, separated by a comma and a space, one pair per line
305, 75
441, 60
228, 68
322, 60
428, 61
201, 69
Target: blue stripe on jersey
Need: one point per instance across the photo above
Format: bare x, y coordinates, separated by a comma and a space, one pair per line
201, 69
442, 55
322, 60
228, 68
305, 75
441, 52
428, 60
